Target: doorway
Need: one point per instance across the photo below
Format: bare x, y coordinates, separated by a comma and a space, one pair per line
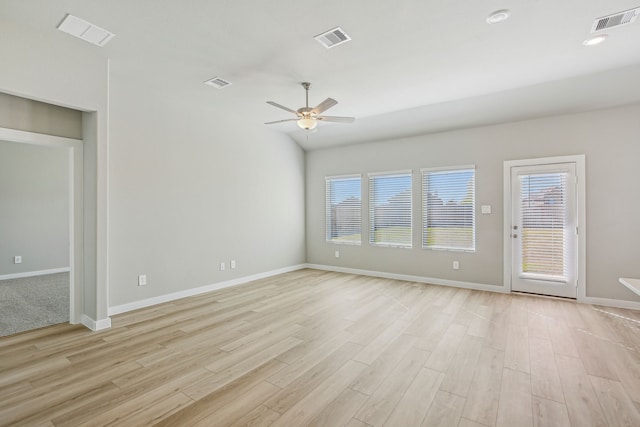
542, 226
74, 153
34, 231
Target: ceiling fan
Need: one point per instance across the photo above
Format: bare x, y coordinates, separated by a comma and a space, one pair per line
308, 118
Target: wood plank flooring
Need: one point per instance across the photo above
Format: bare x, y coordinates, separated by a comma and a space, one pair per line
329, 349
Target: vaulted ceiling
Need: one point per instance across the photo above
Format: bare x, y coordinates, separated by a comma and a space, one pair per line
412, 66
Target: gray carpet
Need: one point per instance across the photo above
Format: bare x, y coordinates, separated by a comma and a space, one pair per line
33, 302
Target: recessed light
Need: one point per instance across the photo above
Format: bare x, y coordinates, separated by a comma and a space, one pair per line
592, 41
498, 16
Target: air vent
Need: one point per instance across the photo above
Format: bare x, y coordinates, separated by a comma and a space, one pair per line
332, 38
615, 20
84, 30
217, 82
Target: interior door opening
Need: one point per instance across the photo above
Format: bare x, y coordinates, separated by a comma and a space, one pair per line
74, 150
35, 187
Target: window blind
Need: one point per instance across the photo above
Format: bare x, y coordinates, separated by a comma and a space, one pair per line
448, 209
343, 201
543, 208
390, 209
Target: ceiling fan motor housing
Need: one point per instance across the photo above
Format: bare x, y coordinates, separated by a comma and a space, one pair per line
306, 111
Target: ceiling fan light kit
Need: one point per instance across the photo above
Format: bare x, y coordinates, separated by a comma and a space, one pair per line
307, 118
307, 123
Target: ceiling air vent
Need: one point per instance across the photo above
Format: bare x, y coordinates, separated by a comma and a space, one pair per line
84, 30
615, 20
217, 82
332, 38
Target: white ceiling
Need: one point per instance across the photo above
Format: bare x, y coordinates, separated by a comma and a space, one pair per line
413, 66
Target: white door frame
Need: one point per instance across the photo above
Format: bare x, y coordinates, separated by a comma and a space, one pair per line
75, 162
579, 161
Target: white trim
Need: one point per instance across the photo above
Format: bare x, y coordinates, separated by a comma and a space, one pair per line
392, 245
410, 278
338, 177
106, 195
581, 189
33, 138
392, 173
447, 249
34, 273
123, 308
632, 284
579, 160
449, 168
344, 242
95, 325
618, 303
546, 160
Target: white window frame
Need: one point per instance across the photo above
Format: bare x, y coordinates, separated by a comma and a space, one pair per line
372, 176
328, 217
459, 168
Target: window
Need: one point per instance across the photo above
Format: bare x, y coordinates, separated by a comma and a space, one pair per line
448, 208
343, 201
390, 209
545, 231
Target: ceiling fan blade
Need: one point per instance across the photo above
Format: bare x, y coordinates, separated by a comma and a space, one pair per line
324, 106
281, 121
336, 119
275, 104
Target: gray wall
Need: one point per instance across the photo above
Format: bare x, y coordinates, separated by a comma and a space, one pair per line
34, 208
608, 138
189, 190
39, 117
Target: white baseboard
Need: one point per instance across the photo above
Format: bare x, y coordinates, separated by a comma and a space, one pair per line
123, 308
618, 303
632, 305
34, 273
95, 325
409, 278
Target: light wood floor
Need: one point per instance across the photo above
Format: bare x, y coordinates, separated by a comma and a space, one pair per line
320, 348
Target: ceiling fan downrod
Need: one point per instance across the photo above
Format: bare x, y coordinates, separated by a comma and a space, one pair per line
306, 86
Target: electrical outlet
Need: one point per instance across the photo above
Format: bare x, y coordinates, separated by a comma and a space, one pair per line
456, 265
337, 254
142, 280
17, 259
222, 266
232, 264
